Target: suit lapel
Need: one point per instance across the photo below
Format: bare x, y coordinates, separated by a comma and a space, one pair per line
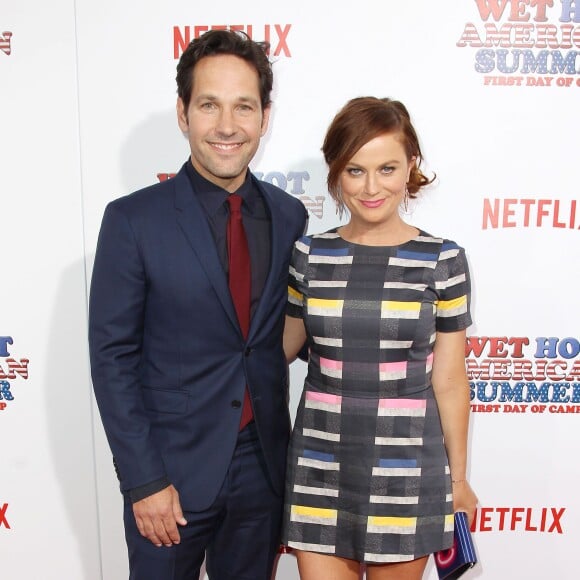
193, 223
276, 223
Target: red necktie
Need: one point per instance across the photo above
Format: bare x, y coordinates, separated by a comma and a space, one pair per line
240, 281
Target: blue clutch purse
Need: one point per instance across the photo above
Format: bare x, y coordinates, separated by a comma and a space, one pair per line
454, 562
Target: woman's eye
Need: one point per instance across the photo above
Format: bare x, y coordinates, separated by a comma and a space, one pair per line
354, 171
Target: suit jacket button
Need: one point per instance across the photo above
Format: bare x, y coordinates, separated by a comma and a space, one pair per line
236, 404
248, 351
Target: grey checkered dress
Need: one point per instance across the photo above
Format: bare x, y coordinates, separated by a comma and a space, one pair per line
368, 475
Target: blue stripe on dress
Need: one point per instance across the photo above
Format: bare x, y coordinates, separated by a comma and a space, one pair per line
422, 256
329, 252
309, 454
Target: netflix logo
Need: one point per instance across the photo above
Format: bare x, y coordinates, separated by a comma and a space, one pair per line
529, 212
3, 518
276, 35
547, 520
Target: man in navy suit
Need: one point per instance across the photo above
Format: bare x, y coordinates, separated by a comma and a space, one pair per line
194, 405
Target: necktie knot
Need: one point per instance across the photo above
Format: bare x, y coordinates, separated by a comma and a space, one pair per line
235, 203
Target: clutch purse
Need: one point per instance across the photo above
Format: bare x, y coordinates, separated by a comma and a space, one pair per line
455, 561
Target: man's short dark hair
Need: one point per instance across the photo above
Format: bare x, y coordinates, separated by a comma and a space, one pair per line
215, 42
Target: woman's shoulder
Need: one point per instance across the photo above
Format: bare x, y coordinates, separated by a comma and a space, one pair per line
441, 244
321, 237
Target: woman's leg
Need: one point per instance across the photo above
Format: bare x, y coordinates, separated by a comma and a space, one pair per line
412, 570
313, 566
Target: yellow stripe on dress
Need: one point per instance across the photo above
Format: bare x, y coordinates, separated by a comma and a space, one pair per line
397, 309
454, 307
391, 525
294, 297
311, 515
320, 307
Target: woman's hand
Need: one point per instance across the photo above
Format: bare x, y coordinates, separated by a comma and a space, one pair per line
464, 499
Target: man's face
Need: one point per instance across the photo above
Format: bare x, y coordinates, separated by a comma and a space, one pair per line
224, 121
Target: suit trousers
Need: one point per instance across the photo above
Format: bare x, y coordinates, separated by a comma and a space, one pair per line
238, 535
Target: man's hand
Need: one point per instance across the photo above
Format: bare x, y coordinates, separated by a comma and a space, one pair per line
157, 517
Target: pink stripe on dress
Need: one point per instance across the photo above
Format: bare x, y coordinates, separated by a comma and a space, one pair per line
403, 403
327, 363
323, 398
393, 367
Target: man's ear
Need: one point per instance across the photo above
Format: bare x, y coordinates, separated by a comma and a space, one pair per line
182, 115
265, 119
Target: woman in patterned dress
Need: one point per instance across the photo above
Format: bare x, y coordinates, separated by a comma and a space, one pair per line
378, 456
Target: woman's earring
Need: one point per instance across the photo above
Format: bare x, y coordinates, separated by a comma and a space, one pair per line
406, 199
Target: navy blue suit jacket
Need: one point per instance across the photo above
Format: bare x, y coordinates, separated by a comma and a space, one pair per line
168, 360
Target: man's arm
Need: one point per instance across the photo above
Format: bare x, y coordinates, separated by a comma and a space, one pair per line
116, 320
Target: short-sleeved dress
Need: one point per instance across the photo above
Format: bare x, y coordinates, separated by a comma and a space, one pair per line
368, 476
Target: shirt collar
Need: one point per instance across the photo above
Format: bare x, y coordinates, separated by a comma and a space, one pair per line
213, 197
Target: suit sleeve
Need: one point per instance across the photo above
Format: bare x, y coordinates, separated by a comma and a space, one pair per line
116, 317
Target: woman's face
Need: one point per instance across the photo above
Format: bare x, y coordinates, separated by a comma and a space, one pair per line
373, 181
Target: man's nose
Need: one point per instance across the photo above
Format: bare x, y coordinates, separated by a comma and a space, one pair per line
226, 122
